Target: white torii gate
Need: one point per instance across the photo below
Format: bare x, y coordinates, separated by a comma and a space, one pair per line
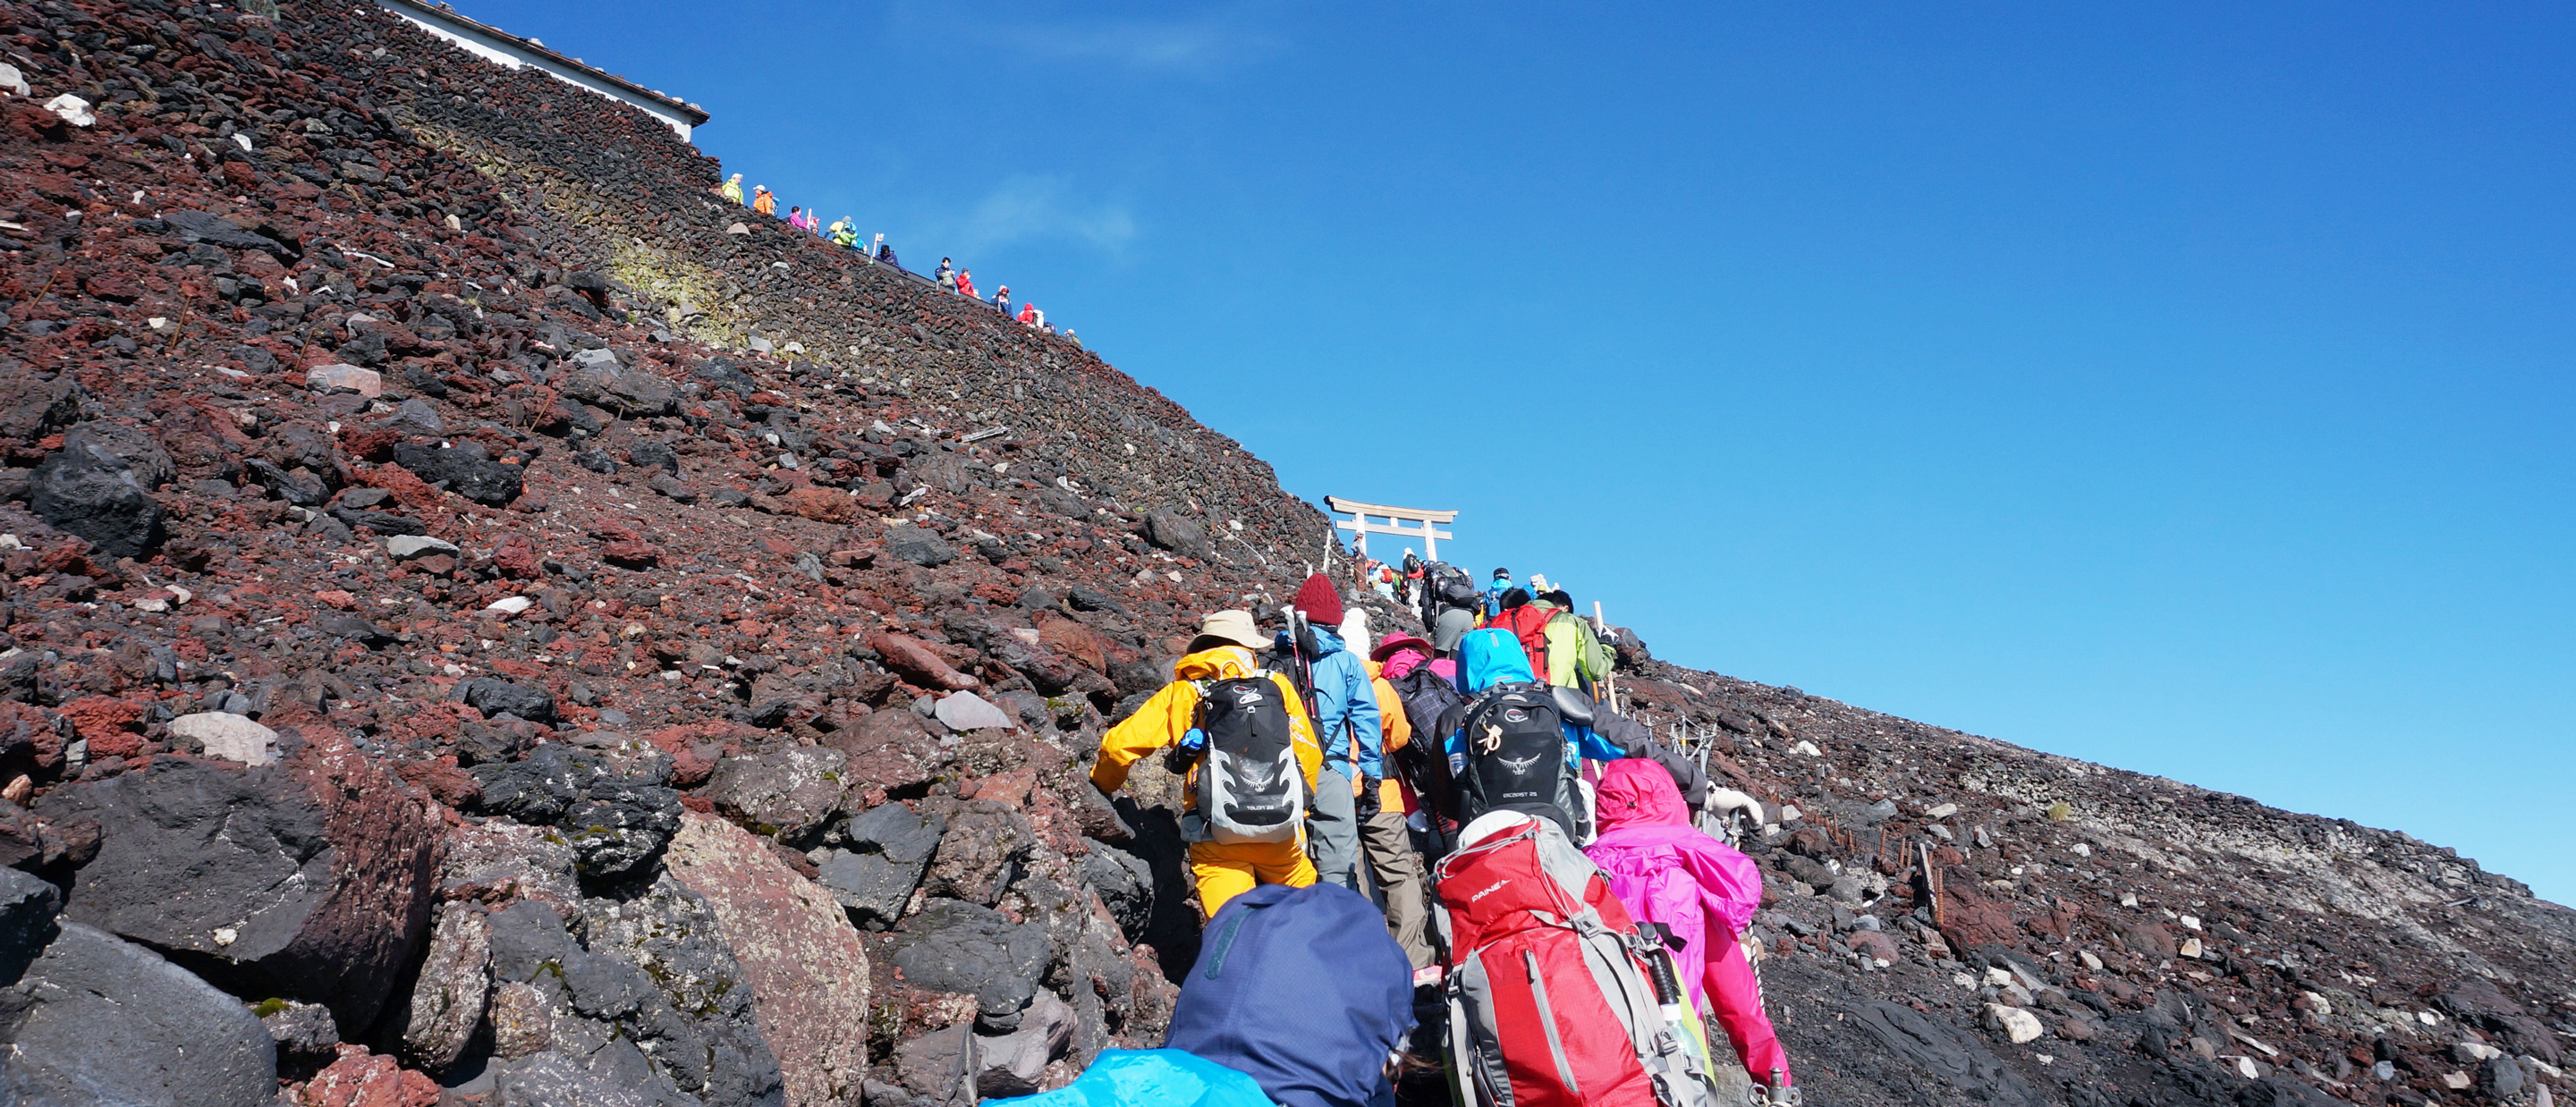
1362, 527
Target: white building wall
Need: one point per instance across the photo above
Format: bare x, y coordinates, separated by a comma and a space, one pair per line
514, 55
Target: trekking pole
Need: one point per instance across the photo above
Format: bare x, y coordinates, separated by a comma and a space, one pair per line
1653, 939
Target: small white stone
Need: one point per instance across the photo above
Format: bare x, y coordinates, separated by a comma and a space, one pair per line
1942, 812
73, 109
2128, 899
2190, 922
2018, 1025
365, 381
225, 935
2246, 1068
510, 605
2191, 948
12, 81
229, 736
2090, 961
2318, 1004
404, 547
2081, 849
1808, 748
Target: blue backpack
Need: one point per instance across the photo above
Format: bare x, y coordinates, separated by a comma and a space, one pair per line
1302, 990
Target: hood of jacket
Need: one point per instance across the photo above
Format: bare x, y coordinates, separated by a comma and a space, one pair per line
1489, 657
1638, 792
1215, 663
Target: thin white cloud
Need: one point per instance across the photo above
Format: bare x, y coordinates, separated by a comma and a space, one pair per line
1196, 45
1032, 207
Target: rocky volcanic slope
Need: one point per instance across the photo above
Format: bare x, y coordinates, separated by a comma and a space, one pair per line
481, 613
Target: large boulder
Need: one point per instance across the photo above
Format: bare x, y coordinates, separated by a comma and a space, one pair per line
986, 846
32, 407
919, 546
102, 1020
27, 908
890, 750
2476, 1001
1169, 530
890, 846
494, 696
646, 1005
311, 879
89, 492
455, 979
972, 950
807, 971
464, 468
142, 454
788, 794
615, 812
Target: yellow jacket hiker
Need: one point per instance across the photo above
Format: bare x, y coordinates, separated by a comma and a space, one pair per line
1223, 650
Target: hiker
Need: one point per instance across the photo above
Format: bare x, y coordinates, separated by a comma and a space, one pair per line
795, 217
731, 189
1576, 657
1449, 606
1346, 726
966, 284
945, 276
1664, 871
1301, 990
762, 203
1394, 865
1028, 314
1555, 994
1493, 669
845, 233
885, 253
1243, 814
1494, 590
1037, 318
1527, 623
1002, 299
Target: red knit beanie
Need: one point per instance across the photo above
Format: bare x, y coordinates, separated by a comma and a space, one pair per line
1320, 603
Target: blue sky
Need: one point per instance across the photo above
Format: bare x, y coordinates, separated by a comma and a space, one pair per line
2186, 390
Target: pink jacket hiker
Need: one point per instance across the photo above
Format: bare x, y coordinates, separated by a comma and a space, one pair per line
1663, 870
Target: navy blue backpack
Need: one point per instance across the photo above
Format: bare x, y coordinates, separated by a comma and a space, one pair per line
1302, 990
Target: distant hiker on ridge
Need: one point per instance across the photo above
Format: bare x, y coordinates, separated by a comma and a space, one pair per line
731, 189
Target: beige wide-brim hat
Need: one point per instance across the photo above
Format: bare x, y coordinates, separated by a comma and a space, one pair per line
1229, 628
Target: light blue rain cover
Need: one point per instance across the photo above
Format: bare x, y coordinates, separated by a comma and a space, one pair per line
1149, 1078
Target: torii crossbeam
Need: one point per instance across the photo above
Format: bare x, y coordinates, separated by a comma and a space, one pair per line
1363, 526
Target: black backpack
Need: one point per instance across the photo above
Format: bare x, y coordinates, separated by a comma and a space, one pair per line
1448, 587
1250, 786
1434, 707
1515, 751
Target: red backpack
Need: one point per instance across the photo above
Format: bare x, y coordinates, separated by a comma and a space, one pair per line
1551, 1002
1528, 624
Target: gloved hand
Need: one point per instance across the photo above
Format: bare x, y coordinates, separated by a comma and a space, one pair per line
1371, 799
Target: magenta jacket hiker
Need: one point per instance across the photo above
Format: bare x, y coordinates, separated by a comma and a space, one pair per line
1663, 870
